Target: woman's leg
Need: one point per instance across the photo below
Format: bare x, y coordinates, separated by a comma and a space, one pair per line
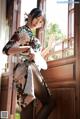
27, 112
43, 94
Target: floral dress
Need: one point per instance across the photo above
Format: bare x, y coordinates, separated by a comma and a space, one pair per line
22, 71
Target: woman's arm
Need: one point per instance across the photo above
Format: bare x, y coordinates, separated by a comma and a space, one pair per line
13, 45
46, 51
15, 50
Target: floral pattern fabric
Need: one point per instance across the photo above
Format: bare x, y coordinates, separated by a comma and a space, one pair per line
20, 39
23, 37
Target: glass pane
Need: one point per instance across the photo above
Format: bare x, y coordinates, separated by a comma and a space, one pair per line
56, 16
57, 55
71, 43
60, 24
26, 7
65, 44
58, 47
68, 52
71, 24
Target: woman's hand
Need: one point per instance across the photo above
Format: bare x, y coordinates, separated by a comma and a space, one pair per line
51, 41
17, 50
31, 56
45, 52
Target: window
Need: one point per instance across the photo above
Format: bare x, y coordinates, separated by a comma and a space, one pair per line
26, 7
60, 24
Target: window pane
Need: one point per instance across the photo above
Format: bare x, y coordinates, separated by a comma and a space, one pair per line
68, 52
57, 55
65, 44
58, 47
60, 23
71, 24
26, 7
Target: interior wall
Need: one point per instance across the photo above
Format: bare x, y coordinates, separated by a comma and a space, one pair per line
4, 34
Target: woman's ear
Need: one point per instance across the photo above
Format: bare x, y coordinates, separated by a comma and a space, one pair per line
29, 18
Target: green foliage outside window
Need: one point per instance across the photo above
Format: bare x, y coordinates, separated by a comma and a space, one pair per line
58, 44
53, 29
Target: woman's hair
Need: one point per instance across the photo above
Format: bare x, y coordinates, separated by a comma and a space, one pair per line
35, 12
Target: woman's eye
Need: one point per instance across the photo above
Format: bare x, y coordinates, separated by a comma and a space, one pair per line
40, 21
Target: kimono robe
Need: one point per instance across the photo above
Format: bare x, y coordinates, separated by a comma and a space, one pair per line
23, 76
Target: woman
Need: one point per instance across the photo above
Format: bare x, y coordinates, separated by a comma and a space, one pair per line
29, 81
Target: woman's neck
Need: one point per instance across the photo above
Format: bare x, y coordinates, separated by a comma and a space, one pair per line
29, 26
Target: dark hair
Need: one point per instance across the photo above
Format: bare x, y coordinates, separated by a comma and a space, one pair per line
35, 12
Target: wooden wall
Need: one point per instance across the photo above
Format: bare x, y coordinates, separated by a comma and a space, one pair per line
60, 77
63, 78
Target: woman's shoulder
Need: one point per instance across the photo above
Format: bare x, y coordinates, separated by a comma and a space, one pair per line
21, 29
24, 29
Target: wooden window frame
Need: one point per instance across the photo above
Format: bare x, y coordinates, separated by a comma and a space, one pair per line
70, 38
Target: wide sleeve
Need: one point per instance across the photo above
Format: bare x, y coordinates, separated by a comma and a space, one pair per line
13, 41
35, 44
20, 37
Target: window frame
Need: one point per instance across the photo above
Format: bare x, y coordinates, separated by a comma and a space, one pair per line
70, 38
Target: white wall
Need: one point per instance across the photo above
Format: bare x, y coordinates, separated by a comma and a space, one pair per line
4, 33
26, 8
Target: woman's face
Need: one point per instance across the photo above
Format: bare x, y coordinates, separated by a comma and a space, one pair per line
37, 22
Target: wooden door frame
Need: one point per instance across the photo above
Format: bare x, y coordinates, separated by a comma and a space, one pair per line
9, 103
77, 55
75, 59
15, 25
